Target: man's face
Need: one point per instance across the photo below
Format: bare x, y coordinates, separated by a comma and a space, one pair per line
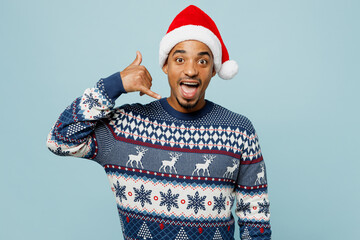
190, 66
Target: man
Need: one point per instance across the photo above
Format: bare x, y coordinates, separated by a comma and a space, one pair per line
175, 165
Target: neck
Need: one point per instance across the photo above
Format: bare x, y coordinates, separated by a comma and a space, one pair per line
191, 115
174, 103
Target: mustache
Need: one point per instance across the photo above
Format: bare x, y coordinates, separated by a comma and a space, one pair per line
190, 78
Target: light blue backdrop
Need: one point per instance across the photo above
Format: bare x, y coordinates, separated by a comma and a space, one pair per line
298, 83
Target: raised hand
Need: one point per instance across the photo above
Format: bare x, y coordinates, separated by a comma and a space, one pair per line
136, 77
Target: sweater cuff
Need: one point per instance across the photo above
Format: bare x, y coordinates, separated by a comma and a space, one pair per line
114, 86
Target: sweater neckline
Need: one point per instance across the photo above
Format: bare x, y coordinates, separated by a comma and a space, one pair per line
186, 116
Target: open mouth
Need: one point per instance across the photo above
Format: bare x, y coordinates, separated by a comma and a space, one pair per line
190, 84
189, 88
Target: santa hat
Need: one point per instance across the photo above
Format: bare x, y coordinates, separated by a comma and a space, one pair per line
194, 24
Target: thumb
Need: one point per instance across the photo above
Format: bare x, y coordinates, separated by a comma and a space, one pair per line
138, 59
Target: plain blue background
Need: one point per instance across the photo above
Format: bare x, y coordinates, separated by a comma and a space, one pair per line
298, 83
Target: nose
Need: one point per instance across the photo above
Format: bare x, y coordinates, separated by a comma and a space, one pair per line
190, 69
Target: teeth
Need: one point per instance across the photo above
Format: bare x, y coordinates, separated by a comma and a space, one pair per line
190, 84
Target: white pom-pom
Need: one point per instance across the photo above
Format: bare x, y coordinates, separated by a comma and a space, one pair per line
228, 70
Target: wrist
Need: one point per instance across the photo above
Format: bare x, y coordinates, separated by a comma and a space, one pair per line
114, 86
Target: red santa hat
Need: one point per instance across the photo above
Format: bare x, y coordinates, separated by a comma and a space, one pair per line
194, 24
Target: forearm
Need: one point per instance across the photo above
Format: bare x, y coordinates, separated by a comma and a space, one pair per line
253, 213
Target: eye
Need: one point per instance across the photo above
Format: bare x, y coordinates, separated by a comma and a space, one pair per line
203, 61
179, 60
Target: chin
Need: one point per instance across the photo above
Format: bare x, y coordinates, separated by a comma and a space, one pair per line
188, 104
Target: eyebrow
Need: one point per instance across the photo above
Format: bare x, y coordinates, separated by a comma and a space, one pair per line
178, 51
200, 53
204, 53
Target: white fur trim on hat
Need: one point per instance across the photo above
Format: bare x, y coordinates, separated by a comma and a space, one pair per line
228, 70
191, 32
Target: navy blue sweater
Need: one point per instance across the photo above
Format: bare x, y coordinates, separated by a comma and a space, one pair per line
174, 175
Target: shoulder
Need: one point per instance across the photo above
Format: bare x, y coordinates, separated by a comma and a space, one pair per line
229, 118
149, 110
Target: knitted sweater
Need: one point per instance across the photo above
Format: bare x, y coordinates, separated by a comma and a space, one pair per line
174, 175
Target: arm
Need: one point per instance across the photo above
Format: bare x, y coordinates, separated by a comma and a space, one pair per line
73, 133
251, 193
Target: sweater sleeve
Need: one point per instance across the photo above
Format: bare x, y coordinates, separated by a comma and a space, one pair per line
252, 206
73, 133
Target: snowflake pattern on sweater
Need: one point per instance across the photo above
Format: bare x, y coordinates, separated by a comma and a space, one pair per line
174, 175
169, 200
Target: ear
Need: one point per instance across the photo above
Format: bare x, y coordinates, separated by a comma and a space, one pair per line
213, 72
165, 67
